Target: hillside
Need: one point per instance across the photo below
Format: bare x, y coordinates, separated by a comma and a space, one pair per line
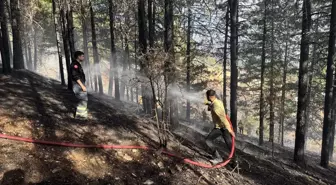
35, 107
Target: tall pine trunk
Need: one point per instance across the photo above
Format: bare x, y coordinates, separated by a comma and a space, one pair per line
116, 75
95, 52
87, 66
303, 84
5, 47
30, 58
29, 44
234, 69
35, 50
188, 59
170, 103
136, 58
130, 66
136, 54
150, 24
69, 17
121, 61
272, 93
283, 90
330, 98
151, 31
58, 43
143, 48
66, 44
113, 55
8, 8
262, 80
124, 60
332, 142
126, 63
333, 119
310, 83
227, 22
18, 62
26, 60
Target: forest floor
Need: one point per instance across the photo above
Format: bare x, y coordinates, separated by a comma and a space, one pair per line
36, 107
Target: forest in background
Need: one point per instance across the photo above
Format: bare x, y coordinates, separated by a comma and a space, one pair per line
271, 61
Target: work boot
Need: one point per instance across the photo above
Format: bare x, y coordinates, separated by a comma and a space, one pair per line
233, 163
216, 161
217, 158
81, 118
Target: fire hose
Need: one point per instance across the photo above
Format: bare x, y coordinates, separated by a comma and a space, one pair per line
102, 146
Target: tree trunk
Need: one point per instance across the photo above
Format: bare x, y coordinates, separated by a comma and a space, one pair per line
330, 98
29, 44
170, 75
227, 19
136, 55
151, 30
262, 75
28, 64
136, 63
66, 45
69, 17
188, 59
310, 83
18, 62
234, 70
85, 43
272, 96
137, 94
167, 45
113, 54
116, 75
3, 59
30, 58
5, 47
121, 61
332, 142
132, 94
154, 21
151, 24
58, 42
283, 89
333, 119
130, 87
125, 63
8, 9
95, 52
35, 51
143, 47
303, 84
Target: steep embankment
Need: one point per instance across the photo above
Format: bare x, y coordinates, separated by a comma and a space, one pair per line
36, 107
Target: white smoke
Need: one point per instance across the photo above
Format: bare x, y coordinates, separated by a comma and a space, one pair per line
193, 97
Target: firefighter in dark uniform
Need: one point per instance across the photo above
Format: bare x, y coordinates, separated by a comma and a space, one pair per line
78, 85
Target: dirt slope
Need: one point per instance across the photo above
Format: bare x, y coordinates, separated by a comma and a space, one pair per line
36, 107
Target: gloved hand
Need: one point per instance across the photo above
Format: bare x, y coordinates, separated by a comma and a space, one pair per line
206, 102
210, 106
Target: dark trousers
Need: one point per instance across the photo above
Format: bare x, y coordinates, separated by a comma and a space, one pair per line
214, 134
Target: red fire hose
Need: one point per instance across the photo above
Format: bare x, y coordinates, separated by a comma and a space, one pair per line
185, 160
